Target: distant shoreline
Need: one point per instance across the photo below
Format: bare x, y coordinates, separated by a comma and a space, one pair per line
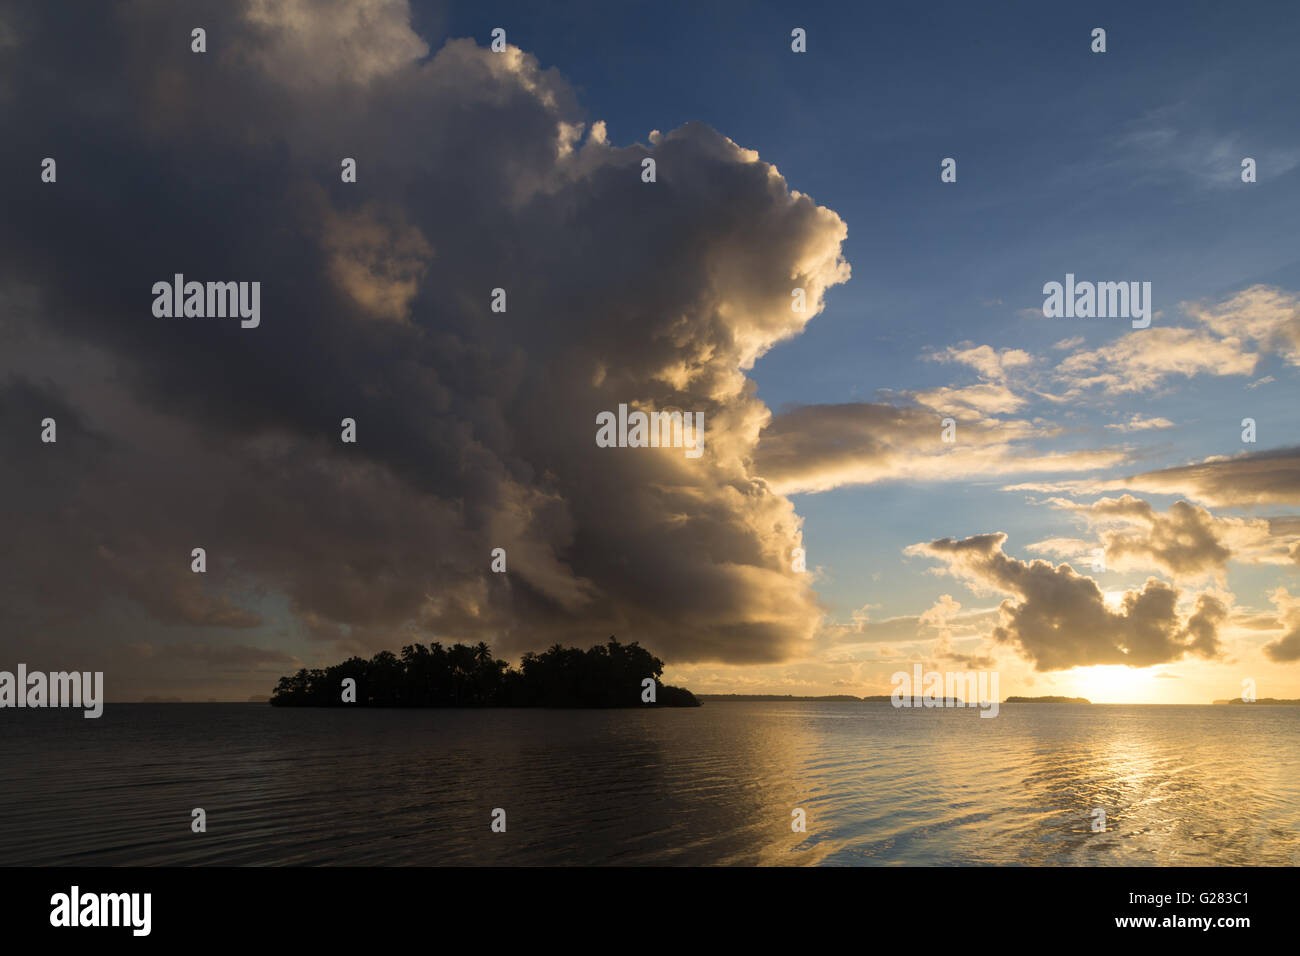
759, 698
1265, 701
1047, 700
879, 699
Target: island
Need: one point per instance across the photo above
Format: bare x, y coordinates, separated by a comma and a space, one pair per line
607, 675
1274, 701
1047, 700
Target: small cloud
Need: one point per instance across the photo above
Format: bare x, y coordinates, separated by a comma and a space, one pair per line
1138, 423
991, 364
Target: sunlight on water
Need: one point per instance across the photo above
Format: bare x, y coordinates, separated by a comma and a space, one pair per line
713, 785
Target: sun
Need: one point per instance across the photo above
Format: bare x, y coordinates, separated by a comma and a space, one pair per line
1110, 683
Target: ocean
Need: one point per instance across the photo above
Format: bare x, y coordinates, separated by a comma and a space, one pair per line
714, 785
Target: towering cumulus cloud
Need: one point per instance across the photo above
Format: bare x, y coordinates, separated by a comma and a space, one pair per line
475, 428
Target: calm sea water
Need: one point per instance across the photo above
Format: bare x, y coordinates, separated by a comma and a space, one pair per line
713, 785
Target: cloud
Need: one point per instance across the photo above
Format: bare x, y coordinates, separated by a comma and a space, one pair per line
989, 362
1142, 360
1286, 649
377, 263
230, 657
945, 620
1185, 542
1251, 478
1141, 423
1202, 630
1247, 479
1171, 142
1265, 315
328, 43
814, 448
1059, 619
943, 617
475, 429
1227, 338
981, 400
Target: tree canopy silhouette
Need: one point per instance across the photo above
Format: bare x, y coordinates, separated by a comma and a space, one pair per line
607, 675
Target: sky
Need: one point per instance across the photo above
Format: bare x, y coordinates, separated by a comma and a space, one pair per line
1098, 526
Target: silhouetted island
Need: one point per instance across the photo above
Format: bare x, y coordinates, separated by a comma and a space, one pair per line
1047, 700
1270, 701
608, 675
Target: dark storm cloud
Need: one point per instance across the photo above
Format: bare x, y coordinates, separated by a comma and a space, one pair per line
475, 429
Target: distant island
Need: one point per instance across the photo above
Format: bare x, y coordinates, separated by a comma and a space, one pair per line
752, 697
887, 698
849, 698
1047, 700
607, 675
1282, 701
